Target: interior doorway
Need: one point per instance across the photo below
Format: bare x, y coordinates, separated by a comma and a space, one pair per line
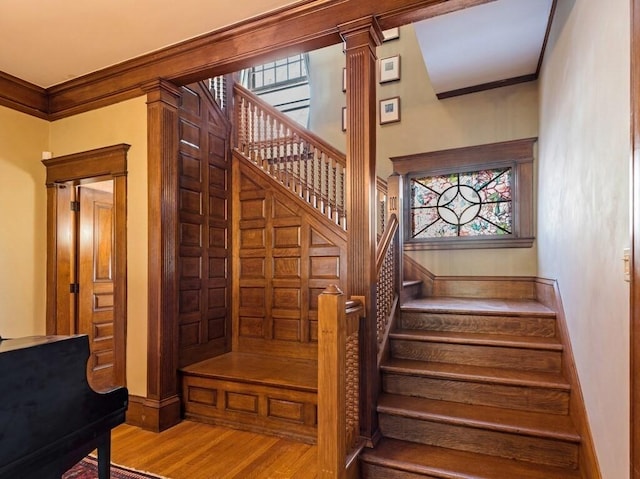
86, 264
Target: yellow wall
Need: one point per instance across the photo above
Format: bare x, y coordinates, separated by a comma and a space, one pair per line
429, 124
121, 123
23, 210
583, 200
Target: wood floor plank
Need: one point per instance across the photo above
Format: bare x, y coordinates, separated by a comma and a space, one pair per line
193, 450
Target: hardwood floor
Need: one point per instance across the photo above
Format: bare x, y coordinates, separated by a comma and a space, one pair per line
192, 450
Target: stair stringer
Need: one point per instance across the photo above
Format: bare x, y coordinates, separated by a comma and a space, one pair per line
548, 293
285, 253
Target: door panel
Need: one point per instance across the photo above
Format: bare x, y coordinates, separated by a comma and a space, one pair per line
96, 282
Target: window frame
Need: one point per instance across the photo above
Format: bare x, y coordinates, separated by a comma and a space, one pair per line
516, 154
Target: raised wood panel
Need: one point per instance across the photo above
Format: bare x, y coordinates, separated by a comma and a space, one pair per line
285, 256
204, 221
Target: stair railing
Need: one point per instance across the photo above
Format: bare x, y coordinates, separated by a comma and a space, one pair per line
304, 163
388, 283
339, 441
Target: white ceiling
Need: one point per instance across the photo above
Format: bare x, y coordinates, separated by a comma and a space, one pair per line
487, 43
47, 42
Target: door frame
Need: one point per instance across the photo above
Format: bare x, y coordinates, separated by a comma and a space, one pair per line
634, 360
63, 172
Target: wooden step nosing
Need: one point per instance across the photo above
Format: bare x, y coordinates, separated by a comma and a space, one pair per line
564, 436
476, 378
416, 468
522, 314
255, 382
489, 342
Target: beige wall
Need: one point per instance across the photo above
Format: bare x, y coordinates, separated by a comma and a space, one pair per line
23, 205
429, 124
121, 123
583, 204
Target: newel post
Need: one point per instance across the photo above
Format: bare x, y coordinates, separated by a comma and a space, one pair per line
395, 206
331, 384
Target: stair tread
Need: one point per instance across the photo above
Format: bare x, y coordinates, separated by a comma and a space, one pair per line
453, 464
479, 306
502, 340
274, 371
464, 372
550, 426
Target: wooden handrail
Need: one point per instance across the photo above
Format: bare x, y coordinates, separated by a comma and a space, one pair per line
303, 133
385, 241
298, 159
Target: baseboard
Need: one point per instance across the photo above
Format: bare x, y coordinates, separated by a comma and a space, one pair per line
412, 270
548, 293
153, 415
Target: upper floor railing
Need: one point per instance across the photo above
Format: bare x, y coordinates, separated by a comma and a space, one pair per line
301, 161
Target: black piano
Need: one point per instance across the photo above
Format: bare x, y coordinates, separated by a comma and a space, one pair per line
50, 418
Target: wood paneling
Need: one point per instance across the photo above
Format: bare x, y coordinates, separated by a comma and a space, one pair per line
204, 321
285, 254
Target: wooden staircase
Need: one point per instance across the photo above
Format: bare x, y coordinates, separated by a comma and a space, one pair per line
473, 388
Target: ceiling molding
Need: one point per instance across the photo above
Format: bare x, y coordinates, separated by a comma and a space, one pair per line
23, 96
303, 27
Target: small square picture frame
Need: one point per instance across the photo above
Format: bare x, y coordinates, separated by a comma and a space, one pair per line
344, 118
390, 69
391, 34
390, 110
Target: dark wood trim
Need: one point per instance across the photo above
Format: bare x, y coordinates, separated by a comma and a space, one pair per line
162, 342
23, 96
552, 14
635, 243
548, 293
146, 414
62, 174
306, 26
361, 39
487, 86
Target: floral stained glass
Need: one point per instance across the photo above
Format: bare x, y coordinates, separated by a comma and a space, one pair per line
475, 203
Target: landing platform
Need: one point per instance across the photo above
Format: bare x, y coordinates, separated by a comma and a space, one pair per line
265, 394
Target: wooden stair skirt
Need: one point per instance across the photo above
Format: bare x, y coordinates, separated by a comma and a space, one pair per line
266, 394
474, 388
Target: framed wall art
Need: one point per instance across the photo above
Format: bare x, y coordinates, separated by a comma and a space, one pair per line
390, 110
390, 69
391, 34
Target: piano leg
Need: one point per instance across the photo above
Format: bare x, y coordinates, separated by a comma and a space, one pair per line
104, 457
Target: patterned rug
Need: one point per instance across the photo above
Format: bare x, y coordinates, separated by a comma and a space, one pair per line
88, 469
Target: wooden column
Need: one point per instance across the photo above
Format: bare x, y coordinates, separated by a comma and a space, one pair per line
395, 205
361, 38
161, 409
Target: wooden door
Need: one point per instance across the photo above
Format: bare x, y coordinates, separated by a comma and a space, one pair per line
96, 316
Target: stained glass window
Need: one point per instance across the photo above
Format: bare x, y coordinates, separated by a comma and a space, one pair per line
475, 203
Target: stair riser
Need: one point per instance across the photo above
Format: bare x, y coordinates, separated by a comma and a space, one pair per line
477, 355
468, 323
373, 471
523, 398
537, 450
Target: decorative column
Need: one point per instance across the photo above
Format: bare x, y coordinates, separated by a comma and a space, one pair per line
161, 409
361, 38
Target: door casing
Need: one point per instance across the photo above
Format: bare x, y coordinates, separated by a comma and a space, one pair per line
64, 172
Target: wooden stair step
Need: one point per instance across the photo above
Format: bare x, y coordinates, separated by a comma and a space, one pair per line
479, 306
480, 429
509, 324
517, 352
299, 374
526, 423
510, 388
396, 459
505, 341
